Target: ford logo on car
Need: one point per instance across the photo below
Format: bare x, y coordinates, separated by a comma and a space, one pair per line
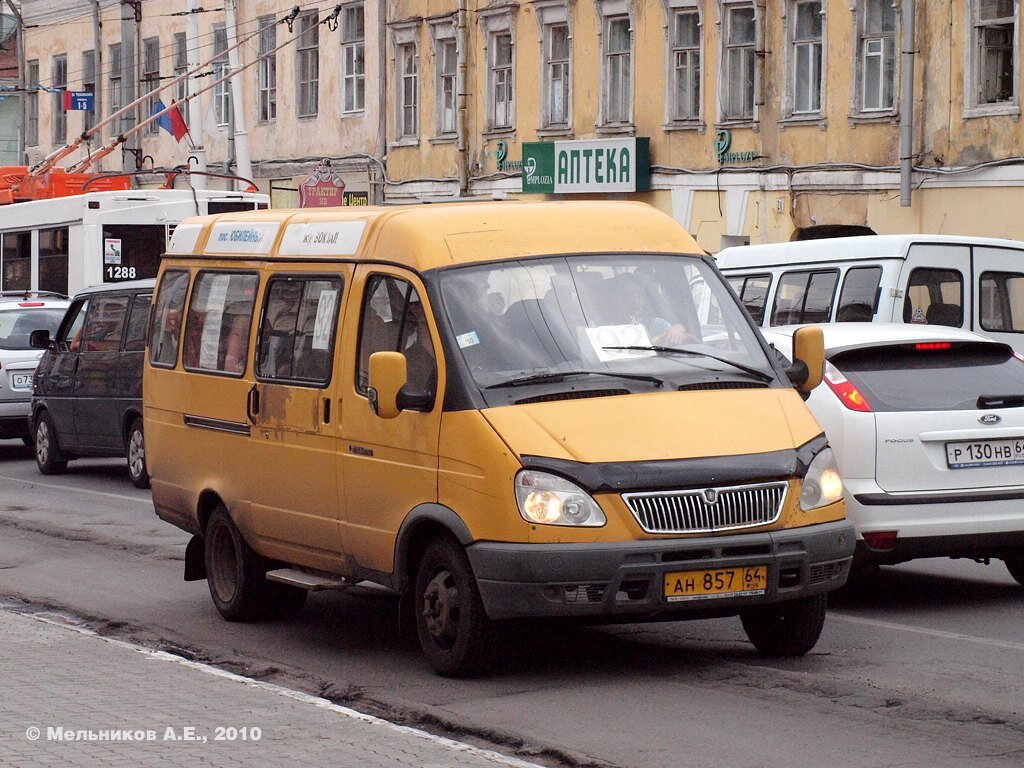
990, 418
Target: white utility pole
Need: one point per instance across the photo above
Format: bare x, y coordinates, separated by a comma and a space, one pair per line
243, 163
195, 111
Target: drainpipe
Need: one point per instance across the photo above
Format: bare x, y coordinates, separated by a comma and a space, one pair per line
907, 105
383, 83
462, 84
760, 54
195, 110
241, 149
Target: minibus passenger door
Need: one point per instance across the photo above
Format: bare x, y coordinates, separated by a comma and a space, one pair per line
388, 465
295, 421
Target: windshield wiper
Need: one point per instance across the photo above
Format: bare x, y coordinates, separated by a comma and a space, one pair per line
540, 378
1000, 401
766, 377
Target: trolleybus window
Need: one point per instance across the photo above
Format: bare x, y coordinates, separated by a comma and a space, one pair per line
132, 251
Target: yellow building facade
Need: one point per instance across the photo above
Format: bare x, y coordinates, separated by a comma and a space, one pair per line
765, 120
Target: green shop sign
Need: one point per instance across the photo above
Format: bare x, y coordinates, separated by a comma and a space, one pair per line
600, 165
722, 144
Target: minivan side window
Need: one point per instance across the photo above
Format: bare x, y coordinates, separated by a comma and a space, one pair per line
296, 335
753, 292
804, 297
935, 297
1001, 304
218, 322
71, 335
104, 325
393, 320
859, 298
138, 323
165, 329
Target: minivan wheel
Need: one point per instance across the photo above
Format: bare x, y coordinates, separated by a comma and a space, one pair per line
789, 628
455, 633
1015, 565
137, 468
234, 572
49, 458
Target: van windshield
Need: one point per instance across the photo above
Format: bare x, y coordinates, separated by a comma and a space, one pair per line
608, 322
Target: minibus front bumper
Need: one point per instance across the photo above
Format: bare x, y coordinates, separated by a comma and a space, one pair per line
623, 579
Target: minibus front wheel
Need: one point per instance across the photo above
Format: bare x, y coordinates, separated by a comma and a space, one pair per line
789, 628
455, 633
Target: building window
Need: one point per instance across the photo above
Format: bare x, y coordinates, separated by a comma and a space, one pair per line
806, 55
151, 78
222, 91
267, 72
738, 63
501, 86
114, 87
32, 104
180, 65
618, 71
308, 64
994, 24
557, 73
89, 86
877, 55
686, 45
408, 91
446, 69
59, 80
353, 59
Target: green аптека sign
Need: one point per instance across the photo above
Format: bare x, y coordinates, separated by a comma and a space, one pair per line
600, 165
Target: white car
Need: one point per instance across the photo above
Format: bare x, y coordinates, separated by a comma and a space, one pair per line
927, 425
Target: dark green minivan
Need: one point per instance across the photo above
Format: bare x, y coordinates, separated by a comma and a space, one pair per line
87, 391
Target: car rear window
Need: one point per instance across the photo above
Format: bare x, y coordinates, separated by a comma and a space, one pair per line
934, 376
17, 325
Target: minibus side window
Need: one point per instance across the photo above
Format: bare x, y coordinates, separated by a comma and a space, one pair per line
1001, 304
859, 297
104, 324
165, 325
935, 297
804, 297
296, 335
393, 320
138, 321
753, 293
218, 322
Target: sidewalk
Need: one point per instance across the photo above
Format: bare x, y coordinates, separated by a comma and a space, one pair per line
71, 697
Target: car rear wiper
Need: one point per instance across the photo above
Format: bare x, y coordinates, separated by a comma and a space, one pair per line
540, 378
1001, 401
766, 377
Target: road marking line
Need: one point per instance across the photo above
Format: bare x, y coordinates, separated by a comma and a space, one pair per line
76, 490
932, 632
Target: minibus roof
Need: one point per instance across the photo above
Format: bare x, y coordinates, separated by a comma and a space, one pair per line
433, 235
842, 249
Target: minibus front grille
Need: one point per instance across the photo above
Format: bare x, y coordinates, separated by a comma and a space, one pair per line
708, 510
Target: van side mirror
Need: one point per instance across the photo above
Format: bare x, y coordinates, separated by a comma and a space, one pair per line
809, 358
40, 339
387, 377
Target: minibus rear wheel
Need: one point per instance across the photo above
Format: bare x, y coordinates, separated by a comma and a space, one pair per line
455, 633
235, 573
789, 628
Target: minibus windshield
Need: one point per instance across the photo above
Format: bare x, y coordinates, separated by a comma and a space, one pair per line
637, 322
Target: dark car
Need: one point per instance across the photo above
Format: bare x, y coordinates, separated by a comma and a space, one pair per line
87, 392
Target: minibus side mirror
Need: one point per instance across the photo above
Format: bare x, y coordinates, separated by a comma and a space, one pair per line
40, 339
809, 359
387, 377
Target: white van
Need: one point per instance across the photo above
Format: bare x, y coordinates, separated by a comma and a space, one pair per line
963, 282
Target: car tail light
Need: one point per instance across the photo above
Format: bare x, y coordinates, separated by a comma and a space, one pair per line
880, 539
31, 304
847, 393
932, 346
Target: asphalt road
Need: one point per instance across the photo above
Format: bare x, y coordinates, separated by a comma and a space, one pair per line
919, 665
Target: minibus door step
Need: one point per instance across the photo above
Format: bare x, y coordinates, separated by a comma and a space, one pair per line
306, 580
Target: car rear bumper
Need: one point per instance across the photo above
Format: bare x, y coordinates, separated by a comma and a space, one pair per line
14, 418
626, 579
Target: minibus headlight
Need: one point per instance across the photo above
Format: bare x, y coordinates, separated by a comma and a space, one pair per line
551, 500
822, 484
